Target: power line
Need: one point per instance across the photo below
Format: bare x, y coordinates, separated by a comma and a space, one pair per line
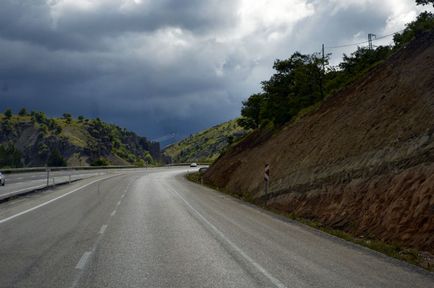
364, 42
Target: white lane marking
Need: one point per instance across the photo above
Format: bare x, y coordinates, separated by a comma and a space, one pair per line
80, 265
21, 190
252, 262
50, 201
119, 203
113, 213
123, 196
102, 230
78, 276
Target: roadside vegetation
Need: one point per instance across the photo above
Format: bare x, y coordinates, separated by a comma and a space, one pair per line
302, 82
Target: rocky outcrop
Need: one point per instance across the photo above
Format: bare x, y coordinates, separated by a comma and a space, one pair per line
78, 142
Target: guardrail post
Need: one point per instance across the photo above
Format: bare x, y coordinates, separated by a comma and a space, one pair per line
48, 177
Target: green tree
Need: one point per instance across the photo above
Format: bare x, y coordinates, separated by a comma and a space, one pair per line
23, 112
56, 159
39, 117
100, 162
8, 113
44, 129
80, 118
230, 139
148, 158
297, 84
140, 163
10, 156
251, 111
425, 2
423, 23
67, 117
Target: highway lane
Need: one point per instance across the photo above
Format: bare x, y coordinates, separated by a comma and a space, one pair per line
32, 176
19, 183
28, 181
155, 229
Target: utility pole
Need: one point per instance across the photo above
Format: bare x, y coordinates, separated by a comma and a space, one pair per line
323, 58
371, 37
322, 72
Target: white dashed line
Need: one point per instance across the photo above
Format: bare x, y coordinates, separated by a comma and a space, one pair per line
102, 230
113, 213
119, 203
80, 265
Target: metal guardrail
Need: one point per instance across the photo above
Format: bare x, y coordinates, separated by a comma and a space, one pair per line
43, 169
50, 181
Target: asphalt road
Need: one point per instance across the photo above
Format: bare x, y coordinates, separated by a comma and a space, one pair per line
154, 229
32, 176
28, 181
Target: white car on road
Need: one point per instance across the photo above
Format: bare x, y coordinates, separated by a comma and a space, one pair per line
2, 179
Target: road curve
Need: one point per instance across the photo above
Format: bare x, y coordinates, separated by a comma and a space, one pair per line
152, 228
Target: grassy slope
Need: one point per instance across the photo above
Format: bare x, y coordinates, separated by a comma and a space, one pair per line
205, 146
76, 133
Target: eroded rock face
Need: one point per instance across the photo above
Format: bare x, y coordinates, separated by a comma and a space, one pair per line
363, 162
391, 207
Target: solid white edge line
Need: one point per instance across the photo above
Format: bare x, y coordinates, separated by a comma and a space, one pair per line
50, 201
80, 265
261, 269
21, 190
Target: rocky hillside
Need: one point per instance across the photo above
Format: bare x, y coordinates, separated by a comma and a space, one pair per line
205, 146
363, 162
39, 140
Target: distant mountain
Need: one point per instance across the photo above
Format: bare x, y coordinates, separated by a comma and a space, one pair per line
205, 146
32, 139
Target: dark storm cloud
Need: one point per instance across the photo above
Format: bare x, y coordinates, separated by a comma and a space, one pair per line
162, 67
38, 22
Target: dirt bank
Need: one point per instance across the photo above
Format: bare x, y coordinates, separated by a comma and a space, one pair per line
363, 162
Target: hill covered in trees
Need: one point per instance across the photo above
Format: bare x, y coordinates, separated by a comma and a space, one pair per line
33, 139
205, 146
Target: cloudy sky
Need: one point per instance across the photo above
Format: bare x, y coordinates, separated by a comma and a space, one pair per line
168, 66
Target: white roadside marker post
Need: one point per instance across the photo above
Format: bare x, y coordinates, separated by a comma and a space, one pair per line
267, 177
